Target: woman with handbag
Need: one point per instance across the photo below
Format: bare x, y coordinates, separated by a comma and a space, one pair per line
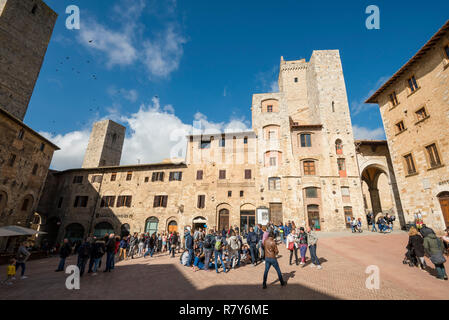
292, 246
434, 248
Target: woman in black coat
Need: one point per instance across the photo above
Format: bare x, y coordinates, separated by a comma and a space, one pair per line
416, 245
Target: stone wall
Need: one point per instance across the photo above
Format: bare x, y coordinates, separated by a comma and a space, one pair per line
25, 31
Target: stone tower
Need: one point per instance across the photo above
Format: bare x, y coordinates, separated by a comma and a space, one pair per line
26, 28
105, 145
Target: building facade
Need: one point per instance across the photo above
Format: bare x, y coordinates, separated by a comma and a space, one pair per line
297, 163
25, 155
414, 105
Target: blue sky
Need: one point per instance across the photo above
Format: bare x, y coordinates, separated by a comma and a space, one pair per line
156, 66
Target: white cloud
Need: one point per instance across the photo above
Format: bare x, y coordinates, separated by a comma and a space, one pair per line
73, 146
153, 133
117, 46
162, 56
363, 133
127, 44
274, 87
131, 95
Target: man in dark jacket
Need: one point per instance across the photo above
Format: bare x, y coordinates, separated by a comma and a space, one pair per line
252, 240
271, 251
189, 247
84, 252
110, 253
64, 252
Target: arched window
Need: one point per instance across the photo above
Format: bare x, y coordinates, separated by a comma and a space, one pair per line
74, 232
223, 219
151, 226
102, 228
339, 146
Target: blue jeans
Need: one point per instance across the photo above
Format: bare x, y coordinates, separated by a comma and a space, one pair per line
253, 252
150, 252
302, 251
22, 265
207, 254
313, 256
441, 272
219, 254
61, 264
268, 263
374, 228
189, 262
82, 264
110, 261
96, 263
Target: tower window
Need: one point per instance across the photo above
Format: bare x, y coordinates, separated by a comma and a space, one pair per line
270, 108
33, 11
333, 106
21, 134
296, 79
446, 51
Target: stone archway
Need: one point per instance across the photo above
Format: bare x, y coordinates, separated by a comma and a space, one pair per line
371, 175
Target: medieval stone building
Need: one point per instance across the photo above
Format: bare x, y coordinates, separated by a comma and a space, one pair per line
25, 156
414, 104
299, 162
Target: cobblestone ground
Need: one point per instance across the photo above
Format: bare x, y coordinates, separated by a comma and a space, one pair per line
344, 259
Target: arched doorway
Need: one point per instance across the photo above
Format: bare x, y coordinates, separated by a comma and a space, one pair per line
313, 215
377, 190
444, 203
172, 226
52, 229
151, 225
124, 230
199, 222
74, 232
223, 219
102, 228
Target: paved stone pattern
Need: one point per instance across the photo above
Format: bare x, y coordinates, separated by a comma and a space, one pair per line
344, 261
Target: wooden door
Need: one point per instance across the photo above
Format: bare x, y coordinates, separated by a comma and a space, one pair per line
223, 220
444, 203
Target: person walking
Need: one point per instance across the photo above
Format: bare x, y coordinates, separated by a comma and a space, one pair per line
292, 246
151, 245
123, 247
373, 222
312, 240
302, 245
133, 245
21, 258
433, 246
97, 252
110, 253
271, 251
416, 246
84, 252
251, 239
64, 252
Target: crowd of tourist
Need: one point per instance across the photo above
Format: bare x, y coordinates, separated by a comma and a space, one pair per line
208, 249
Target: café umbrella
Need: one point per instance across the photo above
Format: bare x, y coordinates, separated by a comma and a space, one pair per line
11, 231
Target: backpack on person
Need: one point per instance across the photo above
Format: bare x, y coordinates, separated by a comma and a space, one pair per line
208, 242
235, 244
218, 245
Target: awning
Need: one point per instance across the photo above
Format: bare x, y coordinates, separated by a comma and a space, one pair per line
11, 231
199, 220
